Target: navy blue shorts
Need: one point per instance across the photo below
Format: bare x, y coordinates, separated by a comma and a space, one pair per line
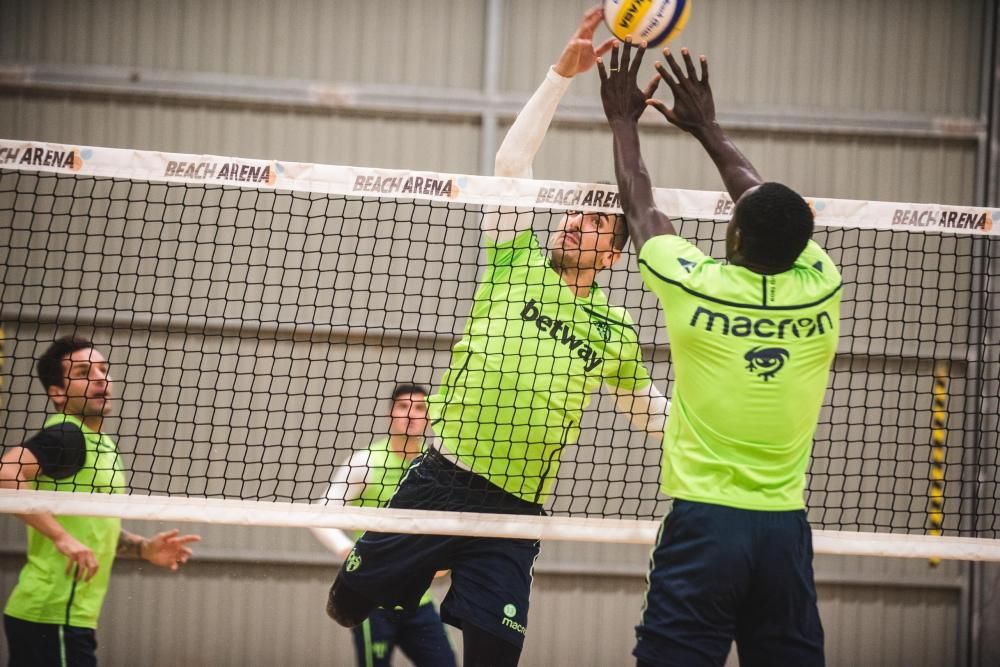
44, 644
490, 577
719, 574
419, 634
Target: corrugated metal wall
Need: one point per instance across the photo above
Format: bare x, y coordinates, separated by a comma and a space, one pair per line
868, 100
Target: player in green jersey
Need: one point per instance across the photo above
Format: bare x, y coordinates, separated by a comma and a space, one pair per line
752, 343
369, 480
51, 615
540, 339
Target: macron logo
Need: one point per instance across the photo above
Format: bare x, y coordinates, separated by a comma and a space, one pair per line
561, 333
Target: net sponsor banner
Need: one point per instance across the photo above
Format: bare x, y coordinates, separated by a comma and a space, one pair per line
460, 188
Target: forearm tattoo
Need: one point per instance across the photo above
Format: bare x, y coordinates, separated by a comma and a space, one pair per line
129, 545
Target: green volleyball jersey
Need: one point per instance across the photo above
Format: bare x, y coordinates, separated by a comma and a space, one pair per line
751, 356
44, 592
531, 356
385, 471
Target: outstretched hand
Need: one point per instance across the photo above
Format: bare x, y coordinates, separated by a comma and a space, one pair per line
620, 93
580, 53
694, 107
169, 549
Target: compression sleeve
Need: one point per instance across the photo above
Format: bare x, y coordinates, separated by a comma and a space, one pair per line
517, 152
646, 407
347, 485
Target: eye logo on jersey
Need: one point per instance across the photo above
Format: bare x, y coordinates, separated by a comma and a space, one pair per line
353, 561
766, 361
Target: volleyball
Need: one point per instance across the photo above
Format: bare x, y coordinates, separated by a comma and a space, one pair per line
652, 21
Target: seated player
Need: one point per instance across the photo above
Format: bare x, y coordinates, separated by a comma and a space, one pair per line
540, 339
369, 480
51, 615
752, 343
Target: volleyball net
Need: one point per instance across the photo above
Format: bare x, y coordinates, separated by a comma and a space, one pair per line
257, 315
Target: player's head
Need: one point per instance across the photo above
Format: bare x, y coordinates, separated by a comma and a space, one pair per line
409, 411
770, 228
588, 240
75, 376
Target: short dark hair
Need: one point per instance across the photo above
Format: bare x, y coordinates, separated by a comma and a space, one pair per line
775, 224
49, 368
402, 389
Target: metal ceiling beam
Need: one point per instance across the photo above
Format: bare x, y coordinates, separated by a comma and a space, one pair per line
188, 88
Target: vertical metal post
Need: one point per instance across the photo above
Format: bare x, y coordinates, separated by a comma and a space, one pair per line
491, 74
983, 646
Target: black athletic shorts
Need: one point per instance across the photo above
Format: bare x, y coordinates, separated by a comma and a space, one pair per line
46, 644
490, 577
720, 574
418, 633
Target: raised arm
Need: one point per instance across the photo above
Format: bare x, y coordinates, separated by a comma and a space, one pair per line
347, 484
623, 104
694, 112
517, 152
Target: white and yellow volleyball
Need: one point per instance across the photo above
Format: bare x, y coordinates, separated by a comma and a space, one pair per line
652, 21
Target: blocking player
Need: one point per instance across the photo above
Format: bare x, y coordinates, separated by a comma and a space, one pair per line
752, 343
369, 480
540, 339
51, 615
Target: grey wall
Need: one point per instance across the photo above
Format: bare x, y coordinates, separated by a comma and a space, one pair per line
877, 100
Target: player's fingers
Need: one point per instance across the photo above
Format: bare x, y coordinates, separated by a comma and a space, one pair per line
639, 53
615, 48
591, 19
601, 72
704, 69
604, 47
672, 63
92, 568
651, 87
667, 77
626, 54
659, 106
689, 64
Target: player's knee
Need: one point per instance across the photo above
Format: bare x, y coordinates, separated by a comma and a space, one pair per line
347, 607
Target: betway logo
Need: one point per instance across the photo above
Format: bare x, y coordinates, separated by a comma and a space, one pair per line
765, 327
561, 333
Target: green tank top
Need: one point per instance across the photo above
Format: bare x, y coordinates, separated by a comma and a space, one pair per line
44, 592
386, 469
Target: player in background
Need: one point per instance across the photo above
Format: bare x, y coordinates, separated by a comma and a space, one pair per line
369, 480
752, 343
51, 615
540, 339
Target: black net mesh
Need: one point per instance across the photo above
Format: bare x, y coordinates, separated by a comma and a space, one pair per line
255, 338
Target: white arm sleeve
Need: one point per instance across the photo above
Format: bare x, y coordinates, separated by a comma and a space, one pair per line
518, 150
646, 407
347, 484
